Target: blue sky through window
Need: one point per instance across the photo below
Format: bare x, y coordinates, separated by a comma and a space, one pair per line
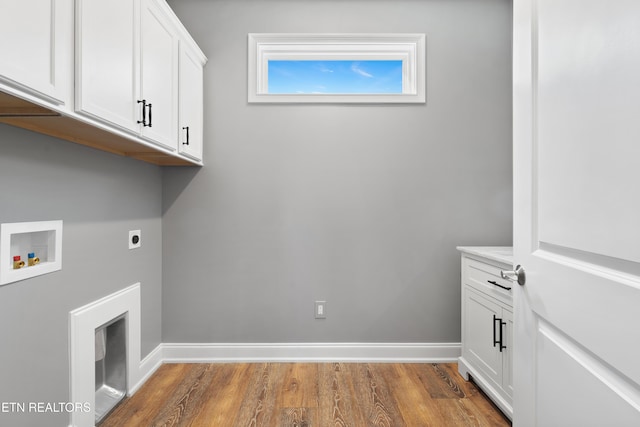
335, 77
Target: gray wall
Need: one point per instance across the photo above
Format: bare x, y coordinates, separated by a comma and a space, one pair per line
361, 206
99, 196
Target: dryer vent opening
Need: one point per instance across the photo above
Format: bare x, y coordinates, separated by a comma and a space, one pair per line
111, 366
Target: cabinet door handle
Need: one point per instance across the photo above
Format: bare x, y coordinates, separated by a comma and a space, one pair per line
144, 112
187, 129
150, 114
501, 345
498, 340
493, 282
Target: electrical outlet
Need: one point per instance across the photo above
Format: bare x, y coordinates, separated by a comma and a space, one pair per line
321, 310
135, 239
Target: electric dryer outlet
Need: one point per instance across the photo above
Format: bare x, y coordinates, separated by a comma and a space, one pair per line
135, 239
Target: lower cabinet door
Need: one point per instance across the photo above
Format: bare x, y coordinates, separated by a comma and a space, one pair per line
482, 335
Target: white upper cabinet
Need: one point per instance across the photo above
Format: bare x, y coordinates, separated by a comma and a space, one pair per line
159, 76
36, 45
107, 52
109, 72
127, 67
191, 101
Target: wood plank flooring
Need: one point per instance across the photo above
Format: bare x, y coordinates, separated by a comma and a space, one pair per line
307, 395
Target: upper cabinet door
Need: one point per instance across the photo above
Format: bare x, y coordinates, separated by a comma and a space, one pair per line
36, 47
191, 103
159, 75
107, 34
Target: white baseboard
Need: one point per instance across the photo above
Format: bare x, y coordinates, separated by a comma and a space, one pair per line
311, 352
148, 366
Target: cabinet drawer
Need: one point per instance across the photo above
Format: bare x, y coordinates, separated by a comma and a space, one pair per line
486, 278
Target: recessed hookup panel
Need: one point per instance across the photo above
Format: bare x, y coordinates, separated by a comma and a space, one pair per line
29, 249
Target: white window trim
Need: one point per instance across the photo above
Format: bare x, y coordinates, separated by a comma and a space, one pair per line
410, 48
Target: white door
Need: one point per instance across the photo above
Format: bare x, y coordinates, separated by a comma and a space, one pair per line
577, 212
507, 355
159, 76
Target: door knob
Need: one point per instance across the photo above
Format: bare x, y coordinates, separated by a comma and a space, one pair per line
516, 275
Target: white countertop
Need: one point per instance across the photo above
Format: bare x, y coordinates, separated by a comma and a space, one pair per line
496, 253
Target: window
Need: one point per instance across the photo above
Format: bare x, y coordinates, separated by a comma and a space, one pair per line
338, 77
337, 68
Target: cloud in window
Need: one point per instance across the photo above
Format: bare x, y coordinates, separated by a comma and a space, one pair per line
355, 67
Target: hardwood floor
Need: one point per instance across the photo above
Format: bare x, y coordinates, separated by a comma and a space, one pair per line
306, 395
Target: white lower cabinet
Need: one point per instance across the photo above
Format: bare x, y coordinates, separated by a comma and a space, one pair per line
487, 327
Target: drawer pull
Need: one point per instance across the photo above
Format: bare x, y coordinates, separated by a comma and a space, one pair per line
493, 282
